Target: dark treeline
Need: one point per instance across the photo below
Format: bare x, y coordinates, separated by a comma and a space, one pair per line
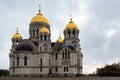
4, 73
109, 70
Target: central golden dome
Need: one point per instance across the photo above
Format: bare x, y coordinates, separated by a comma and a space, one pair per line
39, 18
44, 30
71, 25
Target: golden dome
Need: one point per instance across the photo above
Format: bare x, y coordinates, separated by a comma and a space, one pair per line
17, 35
60, 40
39, 18
71, 25
44, 30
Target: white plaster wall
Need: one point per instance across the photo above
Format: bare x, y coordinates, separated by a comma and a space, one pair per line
44, 71
73, 59
33, 60
11, 61
59, 59
23, 70
72, 70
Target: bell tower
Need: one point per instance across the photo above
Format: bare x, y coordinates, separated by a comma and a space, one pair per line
71, 33
16, 38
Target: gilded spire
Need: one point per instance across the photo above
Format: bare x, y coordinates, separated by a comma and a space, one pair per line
39, 9
17, 30
71, 18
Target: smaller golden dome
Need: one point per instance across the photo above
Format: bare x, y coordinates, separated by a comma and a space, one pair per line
44, 30
71, 25
60, 40
17, 35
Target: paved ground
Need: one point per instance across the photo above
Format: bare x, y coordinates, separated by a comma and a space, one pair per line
63, 78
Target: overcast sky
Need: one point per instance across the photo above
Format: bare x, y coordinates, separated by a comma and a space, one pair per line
98, 21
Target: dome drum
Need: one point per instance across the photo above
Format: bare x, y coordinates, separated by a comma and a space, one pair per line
38, 24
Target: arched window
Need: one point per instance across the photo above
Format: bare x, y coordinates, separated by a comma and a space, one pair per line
40, 61
40, 48
13, 63
17, 60
49, 61
67, 69
41, 37
73, 33
69, 33
25, 60
37, 31
56, 69
13, 66
68, 54
44, 37
40, 64
33, 32
64, 69
17, 42
63, 54
56, 56
40, 68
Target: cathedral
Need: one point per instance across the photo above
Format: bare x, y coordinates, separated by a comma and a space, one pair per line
38, 56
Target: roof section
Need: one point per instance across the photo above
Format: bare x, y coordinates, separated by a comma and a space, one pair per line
24, 47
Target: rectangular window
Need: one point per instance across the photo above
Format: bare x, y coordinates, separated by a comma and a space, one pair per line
40, 48
40, 68
49, 61
17, 61
40, 64
64, 69
56, 69
62, 55
13, 66
68, 54
40, 61
65, 53
56, 56
25, 60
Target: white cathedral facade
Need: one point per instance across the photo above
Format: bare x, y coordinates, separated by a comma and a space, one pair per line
38, 56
